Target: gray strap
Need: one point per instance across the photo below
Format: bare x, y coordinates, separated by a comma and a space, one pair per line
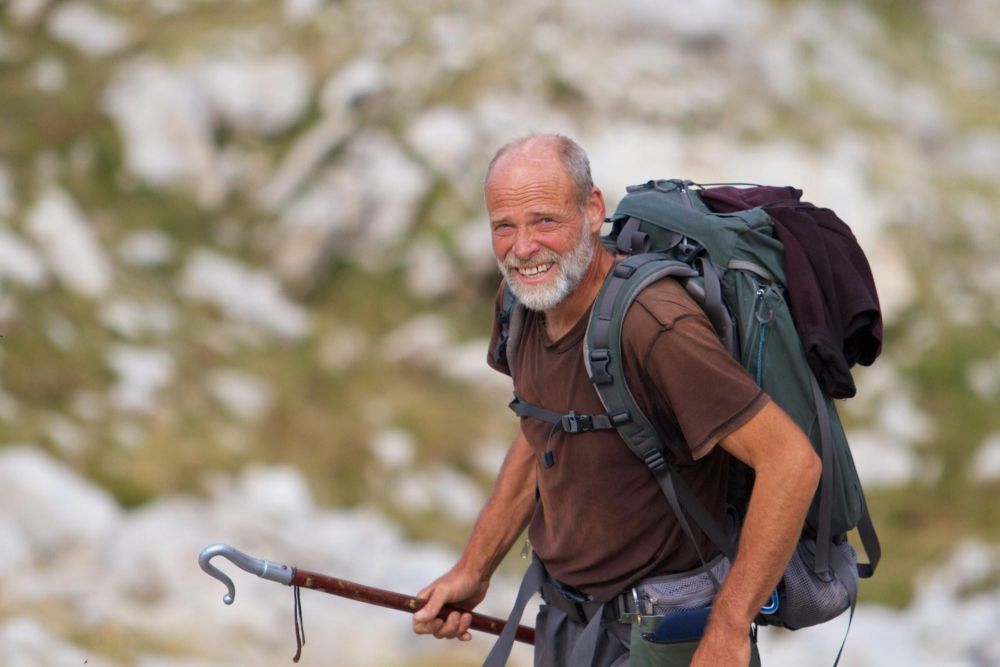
585, 648
869, 540
530, 584
680, 498
847, 576
824, 531
715, 308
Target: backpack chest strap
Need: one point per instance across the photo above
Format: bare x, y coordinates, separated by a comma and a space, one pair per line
569, 422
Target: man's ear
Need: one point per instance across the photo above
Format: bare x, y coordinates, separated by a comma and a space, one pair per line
595, 209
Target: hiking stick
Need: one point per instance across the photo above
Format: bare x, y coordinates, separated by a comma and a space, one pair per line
292, 576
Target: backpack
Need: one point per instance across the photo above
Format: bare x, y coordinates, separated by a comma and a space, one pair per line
732, 265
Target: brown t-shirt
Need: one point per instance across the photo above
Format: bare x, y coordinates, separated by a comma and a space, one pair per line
602, 522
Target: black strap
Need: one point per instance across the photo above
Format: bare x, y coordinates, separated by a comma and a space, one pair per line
300, 630
569, 422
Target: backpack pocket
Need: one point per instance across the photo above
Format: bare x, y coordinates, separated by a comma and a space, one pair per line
807, 598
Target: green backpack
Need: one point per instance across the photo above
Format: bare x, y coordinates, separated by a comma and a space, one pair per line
733, 267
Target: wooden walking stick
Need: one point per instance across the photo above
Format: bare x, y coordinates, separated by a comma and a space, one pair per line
295, 577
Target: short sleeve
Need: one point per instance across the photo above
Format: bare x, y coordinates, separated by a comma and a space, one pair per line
686, 373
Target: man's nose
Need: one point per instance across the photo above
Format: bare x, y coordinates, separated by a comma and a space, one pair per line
525, 244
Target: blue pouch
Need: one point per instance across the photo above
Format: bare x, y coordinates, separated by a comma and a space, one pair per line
683, 625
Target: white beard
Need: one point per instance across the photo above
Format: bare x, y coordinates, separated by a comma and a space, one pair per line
570, 269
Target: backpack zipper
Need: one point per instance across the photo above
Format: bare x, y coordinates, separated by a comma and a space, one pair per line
763, 318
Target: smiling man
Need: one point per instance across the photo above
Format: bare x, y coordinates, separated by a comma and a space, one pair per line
602, 532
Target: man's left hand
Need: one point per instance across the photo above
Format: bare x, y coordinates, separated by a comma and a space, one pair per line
722, 649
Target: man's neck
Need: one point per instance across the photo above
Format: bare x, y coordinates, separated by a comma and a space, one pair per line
559, 320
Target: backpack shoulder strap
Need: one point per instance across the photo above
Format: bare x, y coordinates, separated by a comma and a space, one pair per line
511, 317
603, 359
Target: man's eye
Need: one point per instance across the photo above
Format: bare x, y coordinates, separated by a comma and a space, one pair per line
547, 221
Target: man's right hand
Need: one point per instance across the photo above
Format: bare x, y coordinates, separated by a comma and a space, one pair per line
458, 587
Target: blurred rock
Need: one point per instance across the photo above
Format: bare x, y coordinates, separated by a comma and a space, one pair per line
441, 489
430, 272
242, 293
146, 248
353, 83
142, 373
985, 465
88, 29
447, 140
245, 396
71, 249
394, 448
26, 643
166, 127
19, 261
424, 340
132, 319
241, 92
50, 505
342, 348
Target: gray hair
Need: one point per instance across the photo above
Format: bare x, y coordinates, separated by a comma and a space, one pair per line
573, 158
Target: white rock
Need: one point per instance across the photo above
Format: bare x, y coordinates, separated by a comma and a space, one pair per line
24, 642
15, 551
241, 92
394, 448
430, 272
983, 377
69, 244
474, 243
903, 421
133, 319
19, 261
445, 138
424, 340
274, 492
242, 293
147, 248
307, 153
354, 82
26, 12
53, 507
88, 29
394, 188
443, 489
466, 362
985, 465
142, 373
66, 435
301, 11
343, 347
166, 127
882, 461
700, 20
244, 395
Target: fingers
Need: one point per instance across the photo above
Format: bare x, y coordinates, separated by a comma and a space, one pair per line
454, 626
436, 597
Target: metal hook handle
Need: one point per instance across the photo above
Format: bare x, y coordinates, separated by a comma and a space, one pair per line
262, 568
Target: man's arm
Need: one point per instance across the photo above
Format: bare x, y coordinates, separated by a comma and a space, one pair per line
787, 471
501, 520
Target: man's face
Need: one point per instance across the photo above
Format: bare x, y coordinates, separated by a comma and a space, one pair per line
541, 238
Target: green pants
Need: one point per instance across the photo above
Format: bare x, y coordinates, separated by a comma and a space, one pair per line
649, 654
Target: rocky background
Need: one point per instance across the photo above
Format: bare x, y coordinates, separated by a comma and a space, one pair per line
245, 288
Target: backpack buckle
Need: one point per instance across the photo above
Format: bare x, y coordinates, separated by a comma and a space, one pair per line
574, 423
600, 361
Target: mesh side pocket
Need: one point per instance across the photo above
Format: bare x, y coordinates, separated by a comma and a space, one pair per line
683, 591
808, 599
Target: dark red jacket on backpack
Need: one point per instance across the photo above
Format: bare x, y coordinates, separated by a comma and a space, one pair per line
831, 292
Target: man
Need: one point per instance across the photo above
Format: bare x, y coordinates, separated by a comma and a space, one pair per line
598, 521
